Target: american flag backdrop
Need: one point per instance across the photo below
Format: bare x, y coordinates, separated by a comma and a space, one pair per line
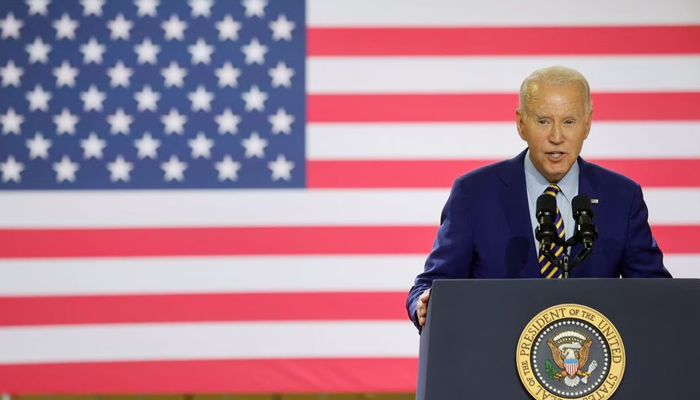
235, 195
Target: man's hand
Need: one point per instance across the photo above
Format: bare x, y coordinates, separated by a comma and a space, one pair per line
422, 307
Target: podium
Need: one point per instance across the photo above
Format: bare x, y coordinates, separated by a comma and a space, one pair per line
597, 339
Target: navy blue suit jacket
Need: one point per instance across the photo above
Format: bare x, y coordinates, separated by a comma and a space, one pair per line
485, 230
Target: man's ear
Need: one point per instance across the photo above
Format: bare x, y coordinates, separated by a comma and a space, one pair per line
588, 124
520, 122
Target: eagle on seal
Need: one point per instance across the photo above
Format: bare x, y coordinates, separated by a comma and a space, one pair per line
570, 359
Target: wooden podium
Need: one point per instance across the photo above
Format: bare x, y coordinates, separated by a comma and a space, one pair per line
625, 339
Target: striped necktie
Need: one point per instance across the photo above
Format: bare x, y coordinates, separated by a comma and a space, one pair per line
546, 268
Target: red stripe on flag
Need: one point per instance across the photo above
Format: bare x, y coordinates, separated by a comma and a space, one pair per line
503, 41
317, 306
491, 107
677, 239
224, 376
20, 243
252, 241
442, 173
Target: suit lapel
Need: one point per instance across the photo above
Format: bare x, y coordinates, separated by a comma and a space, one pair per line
588, 187
520, 248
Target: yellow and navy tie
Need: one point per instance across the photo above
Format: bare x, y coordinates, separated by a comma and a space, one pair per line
546, 268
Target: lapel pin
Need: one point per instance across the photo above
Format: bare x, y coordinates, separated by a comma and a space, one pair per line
594, 201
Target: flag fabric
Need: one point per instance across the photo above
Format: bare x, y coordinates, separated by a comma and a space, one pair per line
235, 196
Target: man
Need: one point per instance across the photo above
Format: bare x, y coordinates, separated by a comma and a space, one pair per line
488, 223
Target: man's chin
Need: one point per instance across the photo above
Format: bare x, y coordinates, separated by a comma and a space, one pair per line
554, 175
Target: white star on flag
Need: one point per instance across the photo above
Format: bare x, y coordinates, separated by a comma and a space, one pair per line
120, 169
174, 169
11, 169
65, 170
201, 99
147, 52
38, 99
254, 146
120, 122
38, 51
38, 7
92, 7
201, 52
65, 75
147, 99
174, 122
10, 27
11, 122
281, 122
174, 28
281, 75
282, 28
254, 52
228, 122
11, 74
92, 51
147, 146
65, 27
254, 8
281, 168
93, 99
201, 146
38, 147
174, 75
201, 8
93, 146
228, 28
120, 27
120, 75
147, 8
254, 99
228, 169
228, 76
65, 122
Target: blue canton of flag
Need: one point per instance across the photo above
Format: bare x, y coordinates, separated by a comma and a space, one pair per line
143, 94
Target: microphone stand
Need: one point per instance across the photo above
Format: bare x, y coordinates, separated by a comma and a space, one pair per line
566, 265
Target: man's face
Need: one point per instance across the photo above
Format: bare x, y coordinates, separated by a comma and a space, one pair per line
554, 124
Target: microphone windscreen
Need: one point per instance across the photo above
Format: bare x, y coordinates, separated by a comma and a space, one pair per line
546, 204
581, 203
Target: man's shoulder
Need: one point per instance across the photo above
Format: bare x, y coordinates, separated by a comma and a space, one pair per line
486, 175
610, 179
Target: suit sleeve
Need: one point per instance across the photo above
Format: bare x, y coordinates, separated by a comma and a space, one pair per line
643, 257
451, 254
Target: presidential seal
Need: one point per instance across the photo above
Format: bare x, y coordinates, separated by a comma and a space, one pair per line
570, 351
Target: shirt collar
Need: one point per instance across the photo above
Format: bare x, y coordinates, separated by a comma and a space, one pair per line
568, 185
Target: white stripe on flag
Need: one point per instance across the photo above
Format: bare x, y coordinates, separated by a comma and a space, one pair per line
201, 275
241, 340
435, 141
184, 275
683, 266
400, 13
400, 207
496, 74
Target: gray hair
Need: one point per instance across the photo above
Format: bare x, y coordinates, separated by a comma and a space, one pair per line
556, 75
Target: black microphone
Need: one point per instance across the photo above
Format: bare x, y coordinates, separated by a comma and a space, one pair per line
586, 232
546, 215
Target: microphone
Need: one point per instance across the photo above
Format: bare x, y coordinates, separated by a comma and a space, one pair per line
546, 215
586, 232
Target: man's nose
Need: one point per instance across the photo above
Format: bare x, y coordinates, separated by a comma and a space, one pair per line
556, 135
